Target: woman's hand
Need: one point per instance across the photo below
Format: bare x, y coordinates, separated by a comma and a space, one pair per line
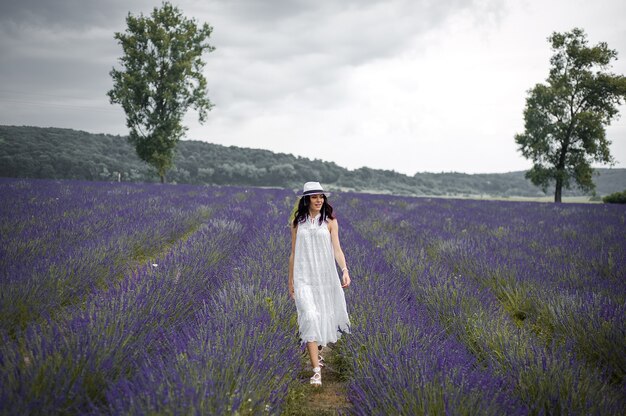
345, 279
292, 293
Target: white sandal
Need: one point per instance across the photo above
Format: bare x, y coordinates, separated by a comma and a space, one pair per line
316, 380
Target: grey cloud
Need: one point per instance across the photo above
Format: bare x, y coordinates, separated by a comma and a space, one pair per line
69, 14
302, 46
355, 30
266, 50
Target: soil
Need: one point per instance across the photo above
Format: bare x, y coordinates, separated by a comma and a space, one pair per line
328, 399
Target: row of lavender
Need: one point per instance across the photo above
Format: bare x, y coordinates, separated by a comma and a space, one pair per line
199, 323
237, 354
402, 360
525, 300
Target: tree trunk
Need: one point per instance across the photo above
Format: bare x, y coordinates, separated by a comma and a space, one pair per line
557, 190
560, 167
162, 176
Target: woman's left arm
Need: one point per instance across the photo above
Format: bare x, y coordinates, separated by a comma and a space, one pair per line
339, 257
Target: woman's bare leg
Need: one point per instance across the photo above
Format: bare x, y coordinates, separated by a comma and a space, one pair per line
313, 353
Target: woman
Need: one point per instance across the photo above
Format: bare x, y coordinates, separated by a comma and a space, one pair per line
313, 278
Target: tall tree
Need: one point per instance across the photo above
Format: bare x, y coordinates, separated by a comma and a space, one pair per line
160, 80
565, 118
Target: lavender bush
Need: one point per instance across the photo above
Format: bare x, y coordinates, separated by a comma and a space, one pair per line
62, 240
152, 299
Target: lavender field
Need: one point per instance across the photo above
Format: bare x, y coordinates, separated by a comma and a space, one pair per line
172, 299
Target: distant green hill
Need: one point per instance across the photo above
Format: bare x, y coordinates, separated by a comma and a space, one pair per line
34, 152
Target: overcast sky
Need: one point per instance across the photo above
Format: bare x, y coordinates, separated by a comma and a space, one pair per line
412, 86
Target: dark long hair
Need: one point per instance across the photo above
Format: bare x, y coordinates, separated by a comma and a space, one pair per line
303, 209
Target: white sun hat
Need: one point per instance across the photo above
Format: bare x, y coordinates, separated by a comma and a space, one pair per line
313, 188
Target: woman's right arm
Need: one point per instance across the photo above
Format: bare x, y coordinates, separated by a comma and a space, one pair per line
291, 256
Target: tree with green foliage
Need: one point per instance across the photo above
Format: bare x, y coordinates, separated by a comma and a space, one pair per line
160, 80
565, 118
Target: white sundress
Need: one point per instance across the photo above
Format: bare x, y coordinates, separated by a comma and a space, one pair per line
320, 301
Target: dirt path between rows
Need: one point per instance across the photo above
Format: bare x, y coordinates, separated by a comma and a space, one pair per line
328, 399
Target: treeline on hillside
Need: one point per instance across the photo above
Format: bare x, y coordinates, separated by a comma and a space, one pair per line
33, 152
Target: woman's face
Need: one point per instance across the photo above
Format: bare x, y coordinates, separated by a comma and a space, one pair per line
317, 201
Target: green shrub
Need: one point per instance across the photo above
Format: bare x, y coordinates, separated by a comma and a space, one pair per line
615, 198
